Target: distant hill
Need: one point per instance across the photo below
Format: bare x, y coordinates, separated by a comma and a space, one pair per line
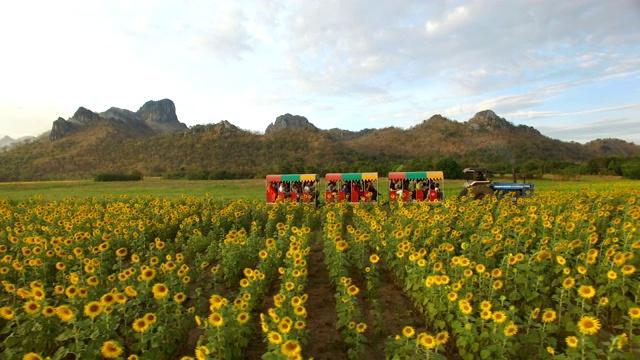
6, 142
152, 141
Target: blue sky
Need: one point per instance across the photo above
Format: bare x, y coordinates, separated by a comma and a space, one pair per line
570, 69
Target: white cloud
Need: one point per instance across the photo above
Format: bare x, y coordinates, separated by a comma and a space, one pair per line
345, 63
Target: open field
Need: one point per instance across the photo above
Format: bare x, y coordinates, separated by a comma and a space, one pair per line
161, 270
238, 189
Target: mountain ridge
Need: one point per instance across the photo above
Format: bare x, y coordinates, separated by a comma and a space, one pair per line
152, 141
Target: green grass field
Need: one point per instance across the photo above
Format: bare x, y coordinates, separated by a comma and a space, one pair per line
247, 189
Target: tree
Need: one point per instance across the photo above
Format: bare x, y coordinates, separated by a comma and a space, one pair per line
449, 166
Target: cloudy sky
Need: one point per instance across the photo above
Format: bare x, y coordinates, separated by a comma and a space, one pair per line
570, 69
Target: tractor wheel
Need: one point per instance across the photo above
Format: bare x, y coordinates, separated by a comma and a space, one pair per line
463, 192
480, 192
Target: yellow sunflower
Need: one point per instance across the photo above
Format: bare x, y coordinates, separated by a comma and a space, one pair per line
499, 317
568, 283
628, 269
442, 338
408, 331
511, 329
110, 350
160, 291
140, 325
216, 319
32, 356
427, 341
179, 298
274, 338
587, 291
571, 341
291, 348
92, 309
64, 313
48, 311
150, 318
634, 313
31, 307
353, 290
589, 325
361, 327
549, 316
7, 313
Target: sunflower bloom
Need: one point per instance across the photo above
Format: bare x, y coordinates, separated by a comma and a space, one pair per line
160, 291
361, 327
32, 356
92, 309
568, 283
426, 340
31, 307
511, 329
587, 291
571, 341
110, 350
65, 313
216, 319
589, 325
291, 348
408, 331
140, 325
634, 313
274, 338
549, 316
499, 317
442, 338
243, 317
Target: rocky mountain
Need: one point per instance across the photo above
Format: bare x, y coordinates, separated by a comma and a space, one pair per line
288, 121
153, 142
153, 118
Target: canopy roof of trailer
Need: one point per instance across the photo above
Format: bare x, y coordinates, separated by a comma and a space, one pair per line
293, 177
416, 175
351, 176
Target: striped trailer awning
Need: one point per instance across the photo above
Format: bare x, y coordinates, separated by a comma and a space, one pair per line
292, 177
351, 176
416, 175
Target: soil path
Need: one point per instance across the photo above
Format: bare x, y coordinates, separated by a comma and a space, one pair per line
324, 340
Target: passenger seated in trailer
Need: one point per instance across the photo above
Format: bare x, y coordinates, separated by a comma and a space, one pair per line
271, 192
296, 191
412, 189
399, 189
439, 192
346, 189
433, 195
372, 190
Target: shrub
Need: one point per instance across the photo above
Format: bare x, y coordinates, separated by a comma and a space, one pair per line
117, 177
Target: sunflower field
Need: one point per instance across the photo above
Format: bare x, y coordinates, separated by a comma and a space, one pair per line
554, 276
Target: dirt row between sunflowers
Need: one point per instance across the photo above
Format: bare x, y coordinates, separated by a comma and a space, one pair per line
325, 342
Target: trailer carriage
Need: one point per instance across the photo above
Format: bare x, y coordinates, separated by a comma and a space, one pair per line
351, 187
416, 186
292, 188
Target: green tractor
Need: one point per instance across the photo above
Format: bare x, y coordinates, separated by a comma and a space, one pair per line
479, 184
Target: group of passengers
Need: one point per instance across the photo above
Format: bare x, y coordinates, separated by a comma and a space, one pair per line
429, 188
354, 187
294, 188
